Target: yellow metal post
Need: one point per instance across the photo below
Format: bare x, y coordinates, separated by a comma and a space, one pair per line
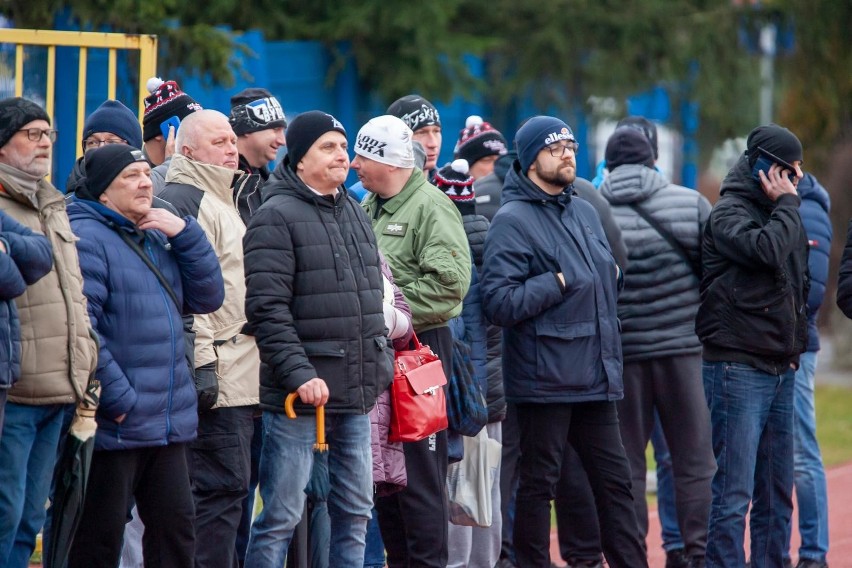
111, 75
19, 70
81, 97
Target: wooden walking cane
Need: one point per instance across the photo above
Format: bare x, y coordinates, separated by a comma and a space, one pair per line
320, 445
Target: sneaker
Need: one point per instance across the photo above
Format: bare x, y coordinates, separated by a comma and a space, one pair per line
808, 563
676, 558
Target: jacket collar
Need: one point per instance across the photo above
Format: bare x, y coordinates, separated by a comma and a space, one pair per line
28, 190
285, 181
413, 184
215, 180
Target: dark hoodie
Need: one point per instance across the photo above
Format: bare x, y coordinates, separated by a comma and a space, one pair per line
561, 344
755, 279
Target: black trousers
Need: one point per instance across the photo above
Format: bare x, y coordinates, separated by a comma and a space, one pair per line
414, 521
674, 386
509, 471
158, 479
220, 468
576, 515
592, 428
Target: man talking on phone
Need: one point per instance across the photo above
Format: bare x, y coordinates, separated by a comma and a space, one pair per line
753, 323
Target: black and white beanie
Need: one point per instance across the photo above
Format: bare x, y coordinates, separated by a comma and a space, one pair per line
415, 111
255, 109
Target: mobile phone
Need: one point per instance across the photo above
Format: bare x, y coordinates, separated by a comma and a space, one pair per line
765, 161
171, 121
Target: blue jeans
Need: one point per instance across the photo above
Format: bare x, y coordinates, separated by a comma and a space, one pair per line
752, 419
666, 506
27, 453
285, 468
811, 492
374, 554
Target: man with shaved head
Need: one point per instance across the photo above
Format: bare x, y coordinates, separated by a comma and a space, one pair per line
199, 183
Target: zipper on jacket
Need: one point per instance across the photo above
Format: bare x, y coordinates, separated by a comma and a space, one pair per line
167, 302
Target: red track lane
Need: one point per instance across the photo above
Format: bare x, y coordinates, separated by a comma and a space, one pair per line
839, 525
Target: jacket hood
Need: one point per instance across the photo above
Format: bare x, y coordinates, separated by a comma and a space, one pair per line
77, 177
739, 182
632, 183
518, 187
810, 188
504, 164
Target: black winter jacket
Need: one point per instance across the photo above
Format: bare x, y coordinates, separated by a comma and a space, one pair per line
476, 227
314, 297
755, 281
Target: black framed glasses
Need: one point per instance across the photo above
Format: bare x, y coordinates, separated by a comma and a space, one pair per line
35, 134
92, 143
558, 150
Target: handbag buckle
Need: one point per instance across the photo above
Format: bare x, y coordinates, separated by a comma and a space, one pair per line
431, 390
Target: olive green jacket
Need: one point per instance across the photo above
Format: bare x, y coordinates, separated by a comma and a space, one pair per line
421, 234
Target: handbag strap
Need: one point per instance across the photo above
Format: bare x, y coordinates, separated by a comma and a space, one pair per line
149, 263
676, 246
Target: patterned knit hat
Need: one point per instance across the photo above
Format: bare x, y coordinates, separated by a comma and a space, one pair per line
479, 139
255, 109
454, 180
166, 100
415, 111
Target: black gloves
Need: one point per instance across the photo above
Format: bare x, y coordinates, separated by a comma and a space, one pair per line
207, 386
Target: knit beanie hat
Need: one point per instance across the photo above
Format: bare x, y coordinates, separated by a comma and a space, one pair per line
386, 139
535, 134
415, 111
479, 139
255, 109
15, 112
166, 100
648, 128
628, 145
776, 140
454, 180
115, 118
305, 130
103, 165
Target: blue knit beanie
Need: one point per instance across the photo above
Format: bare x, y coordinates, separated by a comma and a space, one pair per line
115, 118
535, 134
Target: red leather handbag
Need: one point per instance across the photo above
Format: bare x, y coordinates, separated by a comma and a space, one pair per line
418, 403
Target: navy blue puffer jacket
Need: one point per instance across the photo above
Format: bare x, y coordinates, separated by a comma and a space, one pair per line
814, 210
27, 258
141, 364
559, 344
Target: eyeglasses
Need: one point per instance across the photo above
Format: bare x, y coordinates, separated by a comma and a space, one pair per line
558, 150
35, 134
92, 143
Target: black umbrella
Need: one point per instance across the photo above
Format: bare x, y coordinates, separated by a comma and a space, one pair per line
71, 475
314, 527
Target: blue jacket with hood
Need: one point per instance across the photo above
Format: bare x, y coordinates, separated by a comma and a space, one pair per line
560, 344
814, 210
142, 365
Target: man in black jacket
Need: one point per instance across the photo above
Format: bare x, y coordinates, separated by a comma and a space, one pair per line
752, 323
258, 121
314, 304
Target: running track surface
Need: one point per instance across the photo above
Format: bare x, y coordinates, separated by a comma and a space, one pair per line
839, 525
